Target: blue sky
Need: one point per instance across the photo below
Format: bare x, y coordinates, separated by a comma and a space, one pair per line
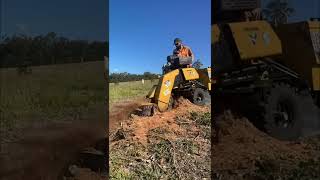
304, 9
75, 19
141, 32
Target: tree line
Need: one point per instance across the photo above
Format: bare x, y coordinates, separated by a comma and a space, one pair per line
49, 49
125, 77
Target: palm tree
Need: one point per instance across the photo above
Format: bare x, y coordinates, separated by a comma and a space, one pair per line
278, 11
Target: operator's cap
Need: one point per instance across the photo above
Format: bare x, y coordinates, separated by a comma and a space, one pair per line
176, 40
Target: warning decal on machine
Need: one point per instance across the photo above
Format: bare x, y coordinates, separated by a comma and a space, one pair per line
166, 92
167, 83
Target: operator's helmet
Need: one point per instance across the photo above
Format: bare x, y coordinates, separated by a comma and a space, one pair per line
177, 40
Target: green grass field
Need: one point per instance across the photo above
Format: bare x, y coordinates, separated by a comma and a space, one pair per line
59, 92
129, 90
50, 93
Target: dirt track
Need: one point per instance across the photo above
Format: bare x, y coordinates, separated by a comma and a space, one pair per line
121, 111
46, 152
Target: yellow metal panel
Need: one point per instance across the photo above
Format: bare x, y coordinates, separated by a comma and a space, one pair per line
164, 89
298, 51
315, 38
215, 34
205, 77
152, 91
190, 73
314, 25
209, 72
316, 79
255, 39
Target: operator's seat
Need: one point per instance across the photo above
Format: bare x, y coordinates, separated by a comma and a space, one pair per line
179, 62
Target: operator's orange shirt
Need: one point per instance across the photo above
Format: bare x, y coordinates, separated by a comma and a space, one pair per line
184, 51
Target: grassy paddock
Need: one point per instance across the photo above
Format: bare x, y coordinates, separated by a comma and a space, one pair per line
127, 90
58, 92
50, 93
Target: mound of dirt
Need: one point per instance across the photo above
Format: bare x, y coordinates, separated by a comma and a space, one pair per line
242, 145
156, 147
139, 126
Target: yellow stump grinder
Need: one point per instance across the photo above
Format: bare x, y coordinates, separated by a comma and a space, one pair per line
178, 80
